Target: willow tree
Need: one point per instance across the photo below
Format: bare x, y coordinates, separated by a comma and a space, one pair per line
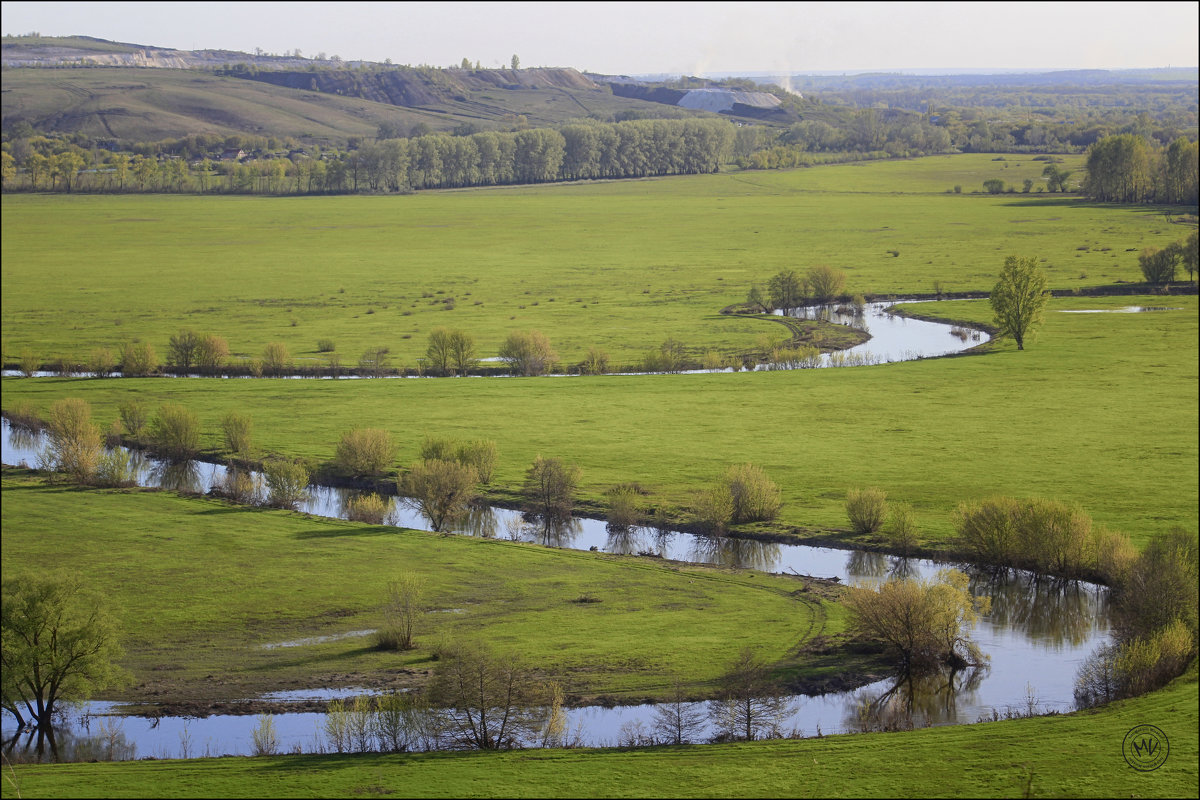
56, 643
1019, 298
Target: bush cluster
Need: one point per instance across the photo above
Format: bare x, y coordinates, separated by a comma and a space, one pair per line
1042, 535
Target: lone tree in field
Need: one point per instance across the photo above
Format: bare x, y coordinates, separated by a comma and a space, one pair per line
1019, 298
56, 643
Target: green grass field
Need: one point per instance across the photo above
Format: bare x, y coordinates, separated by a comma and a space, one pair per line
621, 265
201, 586
1078, 755
1099, 410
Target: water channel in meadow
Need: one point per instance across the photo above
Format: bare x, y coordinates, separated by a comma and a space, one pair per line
1036, 635
894, 337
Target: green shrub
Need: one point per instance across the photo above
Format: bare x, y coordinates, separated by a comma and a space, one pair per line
623, 512
550, 488
28, 363
134, 417
75, 445
236, 428
175, 432
712, 509
325, 346
481, 455
901, 528
115, 469
138, 359
287, 482
401, 611
596, 362
181, 349
24, 414
1053, 537
240, 486
211, 352
275, 358
1041, 535
754, 496
528, 353
440, 449
866, 509
365, 452
987, 530
369, 508
825, 282
441, 490
101, 362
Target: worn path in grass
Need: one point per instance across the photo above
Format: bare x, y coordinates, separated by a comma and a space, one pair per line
1100, 409
622, 265
201, 586
1079, 755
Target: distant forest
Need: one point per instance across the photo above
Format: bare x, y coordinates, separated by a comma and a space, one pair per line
1140, 137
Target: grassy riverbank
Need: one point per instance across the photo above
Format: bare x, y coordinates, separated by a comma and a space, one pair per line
1099, 410
621, 265
205, 593
1078, 755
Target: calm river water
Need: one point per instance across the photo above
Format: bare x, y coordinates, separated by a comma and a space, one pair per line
1036, 635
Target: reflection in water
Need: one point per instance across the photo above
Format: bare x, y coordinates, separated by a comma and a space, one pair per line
479, 521
915, 701
25, 438
849, 315
727, 551
624, 541
863, 564
662, 542
67, 743
1033, 634
1050, 610
903, 569
551, 532
183, 476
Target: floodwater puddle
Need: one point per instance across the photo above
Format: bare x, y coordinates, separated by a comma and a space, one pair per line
333, 637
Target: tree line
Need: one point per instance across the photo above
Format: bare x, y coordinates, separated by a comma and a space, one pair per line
1128, 168
587, 150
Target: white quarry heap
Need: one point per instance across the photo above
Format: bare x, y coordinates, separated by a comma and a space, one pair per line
723, 99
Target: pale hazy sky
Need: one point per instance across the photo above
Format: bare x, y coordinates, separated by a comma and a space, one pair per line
639, 38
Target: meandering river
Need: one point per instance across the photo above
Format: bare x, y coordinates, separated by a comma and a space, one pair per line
1036, 635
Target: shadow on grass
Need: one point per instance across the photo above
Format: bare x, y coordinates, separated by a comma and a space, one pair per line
230, 510
332, 532
317, 658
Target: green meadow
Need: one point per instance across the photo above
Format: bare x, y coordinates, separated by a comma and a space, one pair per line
1077, 755
1099, 410
621, 265
205, 591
